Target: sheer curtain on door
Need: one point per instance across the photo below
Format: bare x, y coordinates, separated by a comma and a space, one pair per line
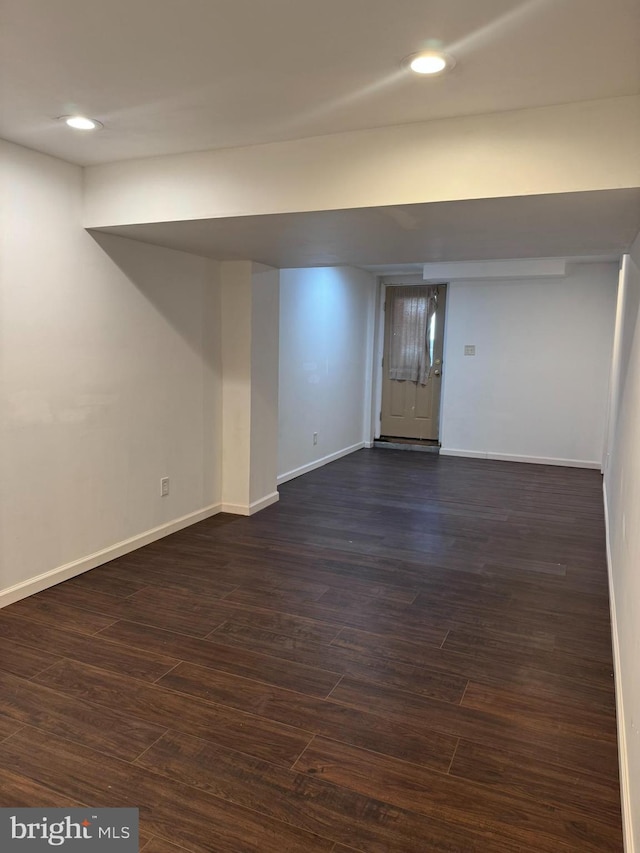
411, 309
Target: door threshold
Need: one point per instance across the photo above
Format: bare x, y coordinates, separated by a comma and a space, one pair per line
422, 445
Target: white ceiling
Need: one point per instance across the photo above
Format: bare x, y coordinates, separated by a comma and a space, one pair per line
602, 223
182, 75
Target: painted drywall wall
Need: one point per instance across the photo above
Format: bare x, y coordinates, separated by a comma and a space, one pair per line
265, 320
536, 389
110, 380
622, 497
564, 148
326, 335
235, 282
250, 386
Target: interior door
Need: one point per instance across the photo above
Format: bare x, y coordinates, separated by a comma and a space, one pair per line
410, 409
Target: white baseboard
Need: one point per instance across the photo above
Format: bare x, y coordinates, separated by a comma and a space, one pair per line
627, 812
469, 454
368, 444
318, 463
515, 457
78, 567
252, 508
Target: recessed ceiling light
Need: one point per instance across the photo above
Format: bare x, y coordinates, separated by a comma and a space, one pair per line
81, 123
430, 62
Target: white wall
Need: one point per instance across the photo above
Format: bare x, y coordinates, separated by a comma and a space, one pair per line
235, 281
537, 387
622, 496
326, 336
265, 319
110, 380
563, 148
250, 386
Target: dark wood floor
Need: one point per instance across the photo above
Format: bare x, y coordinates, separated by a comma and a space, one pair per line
407, 653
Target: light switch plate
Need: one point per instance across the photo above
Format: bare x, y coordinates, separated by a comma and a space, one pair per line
469, 349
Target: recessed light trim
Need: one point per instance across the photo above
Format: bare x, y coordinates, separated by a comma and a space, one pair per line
82, 122
430, 62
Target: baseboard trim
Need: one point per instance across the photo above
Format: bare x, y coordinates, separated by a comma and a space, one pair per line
252, 508
469, 454
318, 463
627, 813
85, 564
515, 457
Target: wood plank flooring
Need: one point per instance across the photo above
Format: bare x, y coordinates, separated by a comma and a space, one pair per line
408, 653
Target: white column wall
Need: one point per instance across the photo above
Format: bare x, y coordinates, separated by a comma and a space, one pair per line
265, 344
250, 386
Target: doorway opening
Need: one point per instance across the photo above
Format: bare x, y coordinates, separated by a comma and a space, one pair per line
412, 366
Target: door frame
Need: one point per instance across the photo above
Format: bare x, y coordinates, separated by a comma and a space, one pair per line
396, 281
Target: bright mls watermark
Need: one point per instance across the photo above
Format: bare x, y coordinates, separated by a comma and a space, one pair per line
72, 830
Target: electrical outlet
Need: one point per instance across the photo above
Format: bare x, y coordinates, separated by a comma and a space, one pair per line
164, 487
315, 438
469, 349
